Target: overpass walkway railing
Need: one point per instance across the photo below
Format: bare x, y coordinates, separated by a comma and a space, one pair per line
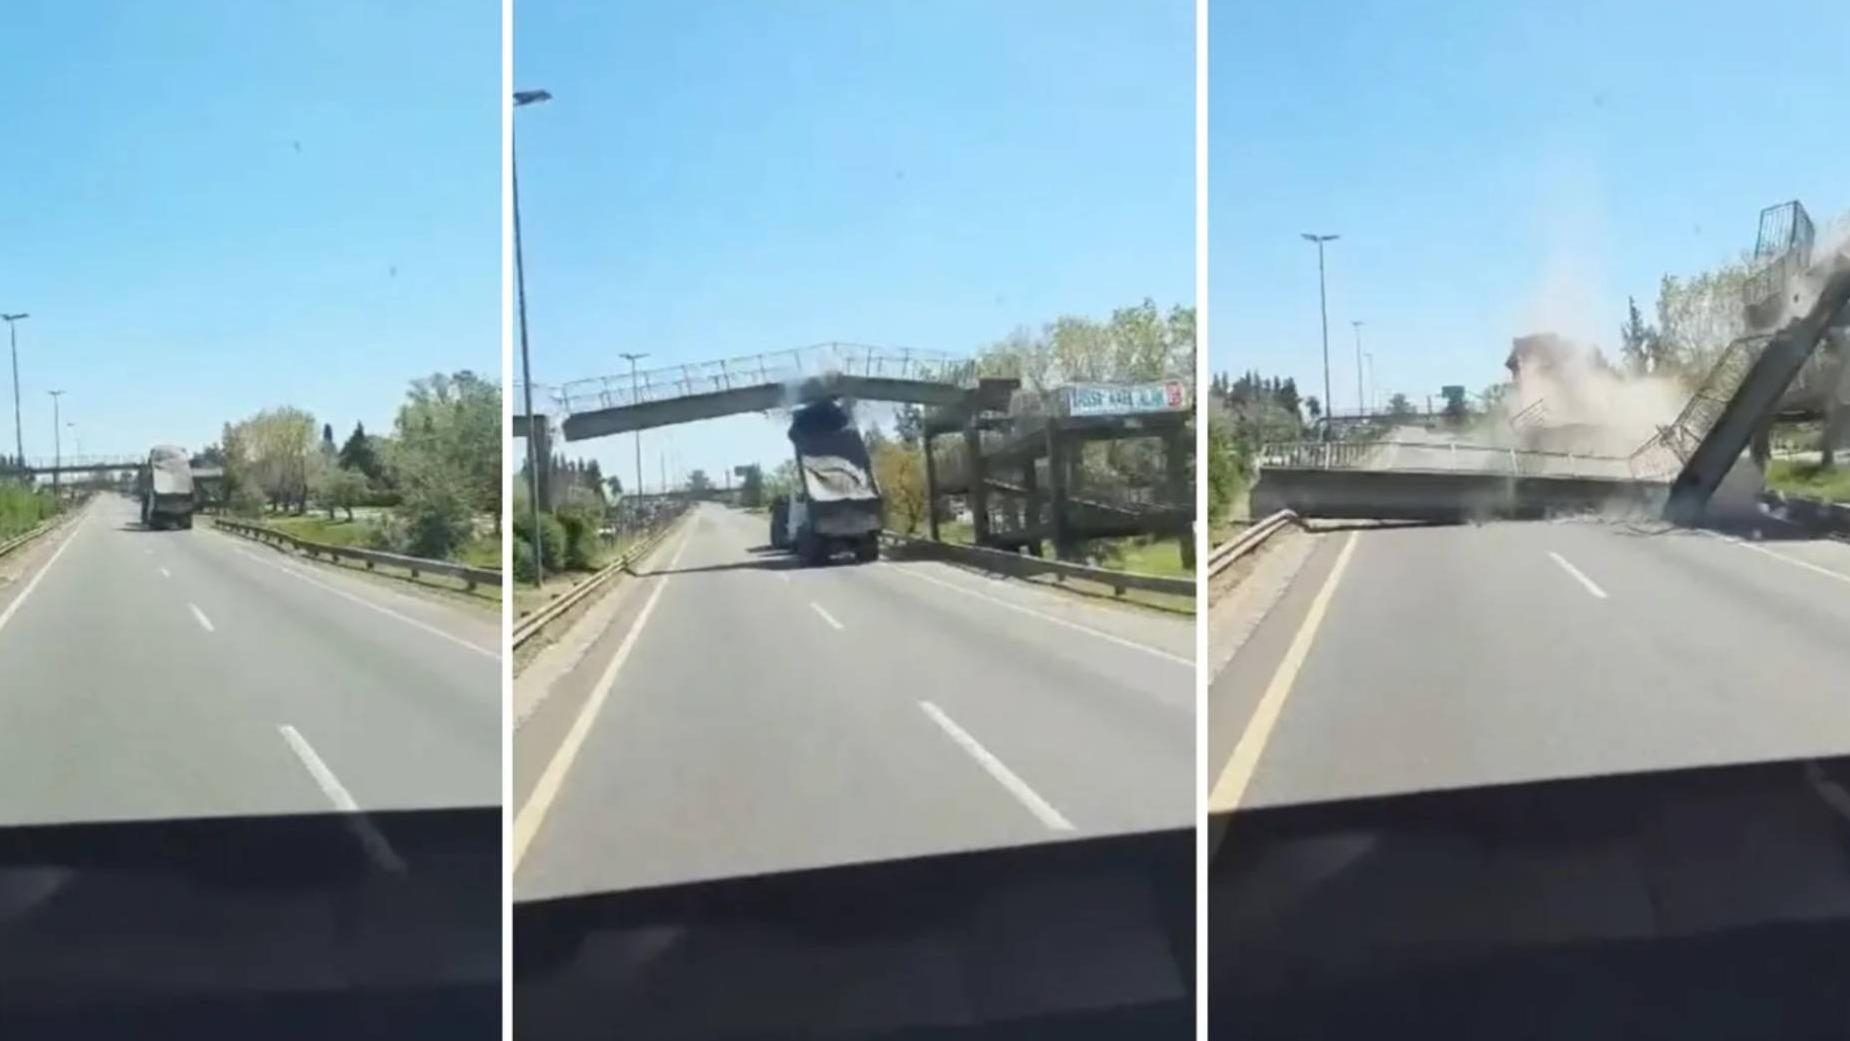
777, 367
1446, 457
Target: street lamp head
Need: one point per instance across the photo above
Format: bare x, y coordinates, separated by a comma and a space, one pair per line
1308, 237
14, 317
529, 97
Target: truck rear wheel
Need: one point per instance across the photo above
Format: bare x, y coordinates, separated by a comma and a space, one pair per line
868, 549
186, 522
811, 549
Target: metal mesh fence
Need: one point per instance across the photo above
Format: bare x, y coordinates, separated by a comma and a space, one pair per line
775, 367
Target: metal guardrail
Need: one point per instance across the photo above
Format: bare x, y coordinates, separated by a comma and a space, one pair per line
471, 576
528, 627
1021, 565
1321, 455
1223, 556
44, 527
20, 540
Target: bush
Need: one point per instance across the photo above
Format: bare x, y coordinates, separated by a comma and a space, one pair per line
245, 502
22, 508
582, 545
523, 561
552, 541
387, 533
437, 519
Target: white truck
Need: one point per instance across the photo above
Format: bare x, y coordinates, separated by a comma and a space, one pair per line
837, 506
166, 488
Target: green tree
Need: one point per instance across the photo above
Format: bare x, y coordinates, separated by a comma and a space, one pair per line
359, 453
343, 489
900, 473
268, 454
1698, 317
1398, 405
698, 482
1637, 341
751, 486
552, 540
448, 446
782, 481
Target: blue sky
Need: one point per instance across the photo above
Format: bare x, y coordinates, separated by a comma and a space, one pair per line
1495, 171
212, 208
722, 179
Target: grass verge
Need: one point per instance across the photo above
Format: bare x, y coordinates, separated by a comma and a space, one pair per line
1809, 479
341, 532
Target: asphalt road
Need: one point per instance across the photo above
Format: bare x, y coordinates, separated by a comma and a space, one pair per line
1461, 656
160, 674
766, 717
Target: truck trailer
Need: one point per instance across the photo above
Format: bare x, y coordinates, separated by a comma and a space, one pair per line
166, 488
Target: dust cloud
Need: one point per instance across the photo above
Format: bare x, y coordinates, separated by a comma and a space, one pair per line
1577, 402
1568, 393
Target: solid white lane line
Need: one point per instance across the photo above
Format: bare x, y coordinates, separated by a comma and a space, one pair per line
165, 573
200, 616
1032, 613
533, 814
1230, 787
1016, 786
1592, 587
825, 615
370, 839
1806, 564
6, 613
363, 602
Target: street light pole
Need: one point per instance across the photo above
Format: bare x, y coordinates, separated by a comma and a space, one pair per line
12, 335
526, 97
1361, 399
1374, 391
1323, 304
636, 399
57, 445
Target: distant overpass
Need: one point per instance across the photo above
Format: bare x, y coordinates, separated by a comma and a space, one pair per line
76, 464
210, 479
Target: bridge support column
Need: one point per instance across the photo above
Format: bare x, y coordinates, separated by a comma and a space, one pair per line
931, 488
1175, 462
1031, 508
542, 452
975, 480
1060, 475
